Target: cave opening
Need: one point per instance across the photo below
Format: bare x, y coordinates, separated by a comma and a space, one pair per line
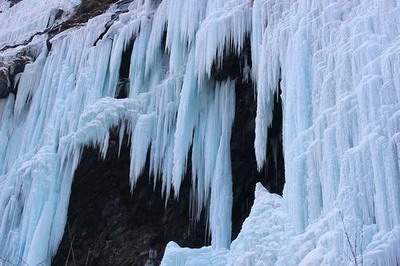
273, 172
109, 225
245, 174
122, 91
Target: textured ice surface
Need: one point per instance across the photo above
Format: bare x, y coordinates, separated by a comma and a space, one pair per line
263, 235
337, 63
28, 17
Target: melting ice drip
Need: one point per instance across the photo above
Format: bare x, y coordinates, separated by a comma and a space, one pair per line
337, 64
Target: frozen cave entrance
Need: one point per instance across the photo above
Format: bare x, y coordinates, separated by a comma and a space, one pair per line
109, 225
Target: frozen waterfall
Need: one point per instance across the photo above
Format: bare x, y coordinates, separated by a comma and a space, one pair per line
337, 63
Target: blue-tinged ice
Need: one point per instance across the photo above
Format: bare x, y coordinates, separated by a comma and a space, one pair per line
336, 64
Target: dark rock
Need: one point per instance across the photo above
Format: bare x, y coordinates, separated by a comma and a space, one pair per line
10, 71
107, 225
4, 83
85, 11
13, 2
233, 65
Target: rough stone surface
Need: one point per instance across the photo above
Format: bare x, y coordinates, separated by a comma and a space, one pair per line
9, 70
85, 11
14, 2
4, 83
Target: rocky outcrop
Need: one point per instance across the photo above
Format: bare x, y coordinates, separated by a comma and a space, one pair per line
87, 10
5, 83
10, 70
13, 2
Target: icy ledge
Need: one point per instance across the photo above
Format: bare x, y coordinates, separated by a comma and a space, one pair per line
264, 233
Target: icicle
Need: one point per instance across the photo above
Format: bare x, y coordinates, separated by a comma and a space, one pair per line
140, 144
221, 187
225, 30
187, 118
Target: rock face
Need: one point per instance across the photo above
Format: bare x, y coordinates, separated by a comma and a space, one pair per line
10, 71
14, 2
85, 11
4, 82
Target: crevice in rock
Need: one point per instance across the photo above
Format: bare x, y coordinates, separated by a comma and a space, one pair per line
25, 42
244, 165
124, 69
122, 7
273, 172
51, 27
245, 174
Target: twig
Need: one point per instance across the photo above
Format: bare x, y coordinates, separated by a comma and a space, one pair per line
362, 250
71, 248
348, 240
355, 247
87, 257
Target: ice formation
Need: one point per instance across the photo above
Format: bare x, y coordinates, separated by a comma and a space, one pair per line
336, 62
28, 17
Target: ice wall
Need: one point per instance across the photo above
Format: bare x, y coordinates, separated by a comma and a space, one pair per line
336, 63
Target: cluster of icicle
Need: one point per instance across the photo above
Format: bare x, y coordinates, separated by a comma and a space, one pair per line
337, 63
